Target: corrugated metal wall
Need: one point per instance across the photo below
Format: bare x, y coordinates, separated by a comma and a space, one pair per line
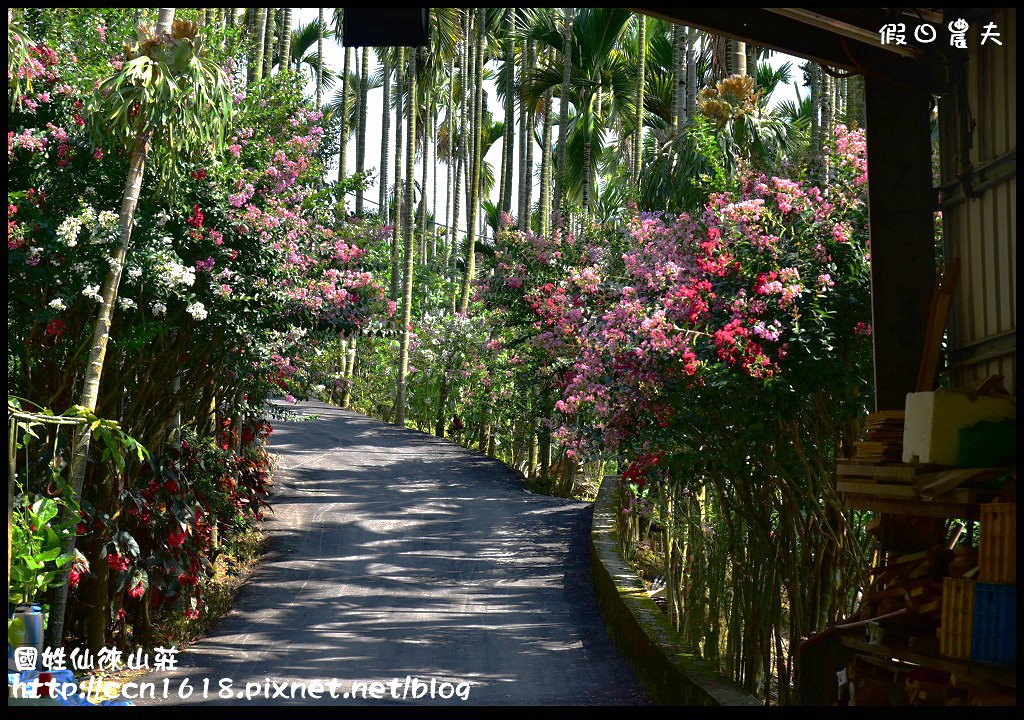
982, 230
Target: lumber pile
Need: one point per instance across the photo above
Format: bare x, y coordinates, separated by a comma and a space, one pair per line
912, 581
884, 439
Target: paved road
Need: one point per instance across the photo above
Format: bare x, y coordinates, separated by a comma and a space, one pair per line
395, 554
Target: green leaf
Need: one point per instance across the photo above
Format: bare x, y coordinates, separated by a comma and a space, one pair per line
126, 541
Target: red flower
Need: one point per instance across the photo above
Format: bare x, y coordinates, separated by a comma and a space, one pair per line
75, 577
55, 328
191, 614
176, 538
197, 218
117, 563
137, 591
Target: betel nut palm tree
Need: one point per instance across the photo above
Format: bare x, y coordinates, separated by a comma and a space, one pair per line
166, 103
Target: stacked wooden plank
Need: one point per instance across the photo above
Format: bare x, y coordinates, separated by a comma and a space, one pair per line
913, 489
911, 581
884, 439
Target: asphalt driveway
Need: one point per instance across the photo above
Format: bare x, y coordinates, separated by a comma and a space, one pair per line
397, 557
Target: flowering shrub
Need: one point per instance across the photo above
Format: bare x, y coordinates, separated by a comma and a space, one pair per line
236, 264
722, 351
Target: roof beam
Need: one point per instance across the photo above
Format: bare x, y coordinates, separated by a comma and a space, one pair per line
766, 28
854, 32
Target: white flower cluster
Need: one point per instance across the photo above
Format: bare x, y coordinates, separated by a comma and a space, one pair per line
197, 311
92, 292
134, 272
126, 303
68, 231
159, 309
57, 304
108, 220
177, 274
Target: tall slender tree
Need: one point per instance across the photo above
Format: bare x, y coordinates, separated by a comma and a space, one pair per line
344, 131
473, 210
408, 233
320, 58
530, 116
508, 143
286, 38
385, 138
361, 97
268, 41
448, 234
680, 62
814, 81
563, 105
174, 80
638, 132
257, 29
691, 73
396, 236
461, 164
545, 169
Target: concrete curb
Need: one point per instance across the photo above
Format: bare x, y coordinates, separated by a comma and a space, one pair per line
640, 630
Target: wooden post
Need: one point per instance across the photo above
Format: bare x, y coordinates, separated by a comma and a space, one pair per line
901, 203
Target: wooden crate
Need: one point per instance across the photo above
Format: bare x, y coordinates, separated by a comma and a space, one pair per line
957, 618
997, 551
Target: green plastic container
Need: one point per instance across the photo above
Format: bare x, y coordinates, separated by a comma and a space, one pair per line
989, 444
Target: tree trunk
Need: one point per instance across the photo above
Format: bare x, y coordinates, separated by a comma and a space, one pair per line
98, 591
257, 30
343, 132
471, 120
473, 210
350, 365
545, 454
101, 334
638, 132
563, 106
531, 122
739, 63
268, 42
461, 163
680, 62
409, 230
286, 41
448, 175
508, 140
814, 82
545, 170
524, 142
364, 72
427, 127
691, 74
588, 120
828, 122
385, 123
442, 404
396, 236
320, 59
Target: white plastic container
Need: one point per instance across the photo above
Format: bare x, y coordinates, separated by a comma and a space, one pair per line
931, 430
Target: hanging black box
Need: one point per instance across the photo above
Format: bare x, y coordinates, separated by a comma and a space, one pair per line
386, 27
